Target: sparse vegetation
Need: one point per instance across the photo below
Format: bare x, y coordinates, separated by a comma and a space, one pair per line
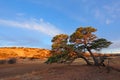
12, 61
3, 61
59, 72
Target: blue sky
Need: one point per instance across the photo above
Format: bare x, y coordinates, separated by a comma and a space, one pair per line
33, 23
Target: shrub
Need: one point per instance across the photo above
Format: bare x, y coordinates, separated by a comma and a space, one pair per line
22, 57
2, 61
32, 58
12, 61
59, 58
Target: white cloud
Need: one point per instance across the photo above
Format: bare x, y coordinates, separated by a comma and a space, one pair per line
33, 24
115, 45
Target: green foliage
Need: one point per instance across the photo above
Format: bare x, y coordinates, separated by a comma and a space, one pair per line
100, 43
58, 58
83, 35
80, 41
59, 42
61, 38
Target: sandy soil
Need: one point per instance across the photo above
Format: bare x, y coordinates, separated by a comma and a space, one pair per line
42, 71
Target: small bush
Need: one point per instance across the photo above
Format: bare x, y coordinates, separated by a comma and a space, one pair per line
22, 57
32, 58
12, 61
2, 61
58, 58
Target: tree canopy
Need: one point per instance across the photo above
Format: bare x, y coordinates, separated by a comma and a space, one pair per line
75, 45
59, 42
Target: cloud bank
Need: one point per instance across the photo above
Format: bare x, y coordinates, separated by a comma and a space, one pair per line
33, 24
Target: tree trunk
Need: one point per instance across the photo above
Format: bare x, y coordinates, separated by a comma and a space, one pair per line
80, 56
95, 60
88, 63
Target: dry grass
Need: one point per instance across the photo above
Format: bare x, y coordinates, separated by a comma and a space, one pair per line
75, 71
66, 72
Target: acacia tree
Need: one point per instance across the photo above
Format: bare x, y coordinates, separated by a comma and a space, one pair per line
59, 42
80, 41
84, 38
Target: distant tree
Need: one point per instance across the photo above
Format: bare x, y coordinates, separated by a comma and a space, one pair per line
80, 41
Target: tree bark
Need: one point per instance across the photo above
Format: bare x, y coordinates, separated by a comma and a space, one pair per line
95, 60
88, 63
80, 56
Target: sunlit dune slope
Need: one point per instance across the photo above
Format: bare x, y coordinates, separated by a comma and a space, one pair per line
8, 52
